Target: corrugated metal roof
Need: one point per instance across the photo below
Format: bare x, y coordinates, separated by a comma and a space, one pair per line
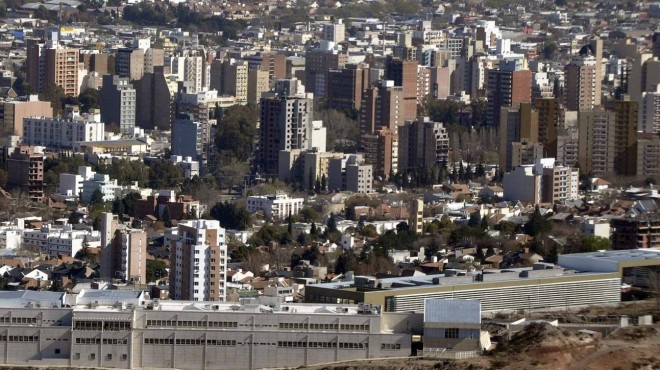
466, 311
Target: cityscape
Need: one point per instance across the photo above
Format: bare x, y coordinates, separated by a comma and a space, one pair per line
313, 184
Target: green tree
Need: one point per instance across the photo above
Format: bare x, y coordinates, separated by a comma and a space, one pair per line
537, 224
594, 244
332, 224
89, 99
96, 201
156, 269
237, 129
231, 216
167, 217
164, 174
346, 261
55, 95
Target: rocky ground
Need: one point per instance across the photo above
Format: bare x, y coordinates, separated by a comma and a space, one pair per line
542, 346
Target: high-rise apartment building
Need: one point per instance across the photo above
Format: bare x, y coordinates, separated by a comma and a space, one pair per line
348, 86
422, 144
507, 86
625, 137
581, 76
381, 150
317, 64
558, 182
404, 73
50, 64
351, 174
417, 216
25, 171
118, 103
518, 126
129, 63
648, 155
335, 32
596, 141
154, 101
383, 106
258, 83
188, 138
124, 254
649, 112
190, 67
198, 261
549, 121
286, 123
235, 80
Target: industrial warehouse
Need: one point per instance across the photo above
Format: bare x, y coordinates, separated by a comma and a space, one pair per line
121, 329
577, 280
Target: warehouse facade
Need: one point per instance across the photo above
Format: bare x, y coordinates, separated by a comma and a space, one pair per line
198, 335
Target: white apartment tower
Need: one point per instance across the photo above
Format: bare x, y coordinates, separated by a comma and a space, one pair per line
198, 261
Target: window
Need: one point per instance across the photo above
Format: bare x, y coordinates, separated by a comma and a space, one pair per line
108, 356
451, 333
124, 357
92, 356
57, 351
76, 356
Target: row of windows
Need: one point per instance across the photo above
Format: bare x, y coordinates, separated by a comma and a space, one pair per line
300, 325
340, 345
19, 338
102, 325
19, 320
390, 346
192, 324
92, 356
191, 342
98, 341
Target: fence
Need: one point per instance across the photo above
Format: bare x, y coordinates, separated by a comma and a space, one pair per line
447, 353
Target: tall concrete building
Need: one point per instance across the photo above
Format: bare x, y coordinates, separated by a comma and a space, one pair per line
381, 150
549, 116
581, 87
286, 123
383, 106
422, 144
625, 137
124, 254
507, 86
118, 103
518, 126
258, 83
235, 80
188, 138
644, 75
189, 66
13, 112
335, 32
129, 63
348, 86
558, 182
648, 156
649, 112
596, 141
51, 64
317, 64
351, 174
198, 261
154, 101
416, 222
404, 73
25, 171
